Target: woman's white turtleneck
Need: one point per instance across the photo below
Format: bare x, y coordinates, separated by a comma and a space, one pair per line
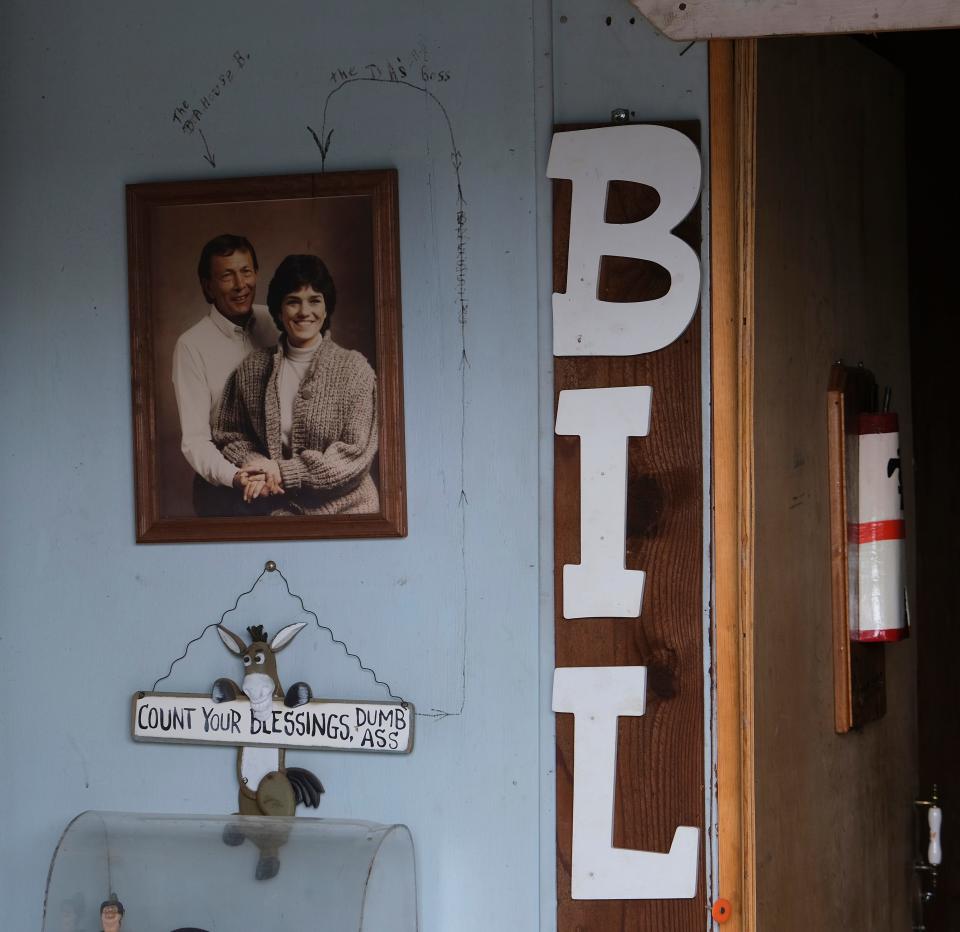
296, 362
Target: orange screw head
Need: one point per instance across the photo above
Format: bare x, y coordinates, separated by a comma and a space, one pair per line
722, 910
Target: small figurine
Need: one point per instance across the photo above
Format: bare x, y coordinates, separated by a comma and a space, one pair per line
267, 787
111, 914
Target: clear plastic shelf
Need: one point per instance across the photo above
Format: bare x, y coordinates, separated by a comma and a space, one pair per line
199, 873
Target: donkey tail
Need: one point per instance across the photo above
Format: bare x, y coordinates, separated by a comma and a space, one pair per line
307, 789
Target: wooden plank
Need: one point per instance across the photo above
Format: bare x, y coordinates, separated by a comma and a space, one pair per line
834, 812
724, 368
839, 579
719, 19
660, 763
732, 103
859, 670
746, 97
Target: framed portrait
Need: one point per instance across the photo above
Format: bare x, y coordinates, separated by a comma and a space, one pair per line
266, 358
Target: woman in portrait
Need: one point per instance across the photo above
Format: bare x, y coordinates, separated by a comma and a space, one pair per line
300, 419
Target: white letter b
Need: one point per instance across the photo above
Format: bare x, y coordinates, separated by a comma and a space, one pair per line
657, 156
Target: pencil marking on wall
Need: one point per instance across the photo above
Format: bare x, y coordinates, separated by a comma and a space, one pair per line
401, 72
187, 116
83, 761
208, 155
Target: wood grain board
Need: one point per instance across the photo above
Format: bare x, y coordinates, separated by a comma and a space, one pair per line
716, 19
660, 759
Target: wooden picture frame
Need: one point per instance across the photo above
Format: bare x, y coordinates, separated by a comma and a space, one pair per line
350, 220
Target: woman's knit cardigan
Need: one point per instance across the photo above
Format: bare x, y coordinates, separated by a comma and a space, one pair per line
334, 435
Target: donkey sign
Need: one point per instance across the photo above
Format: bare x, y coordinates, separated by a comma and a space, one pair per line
321, 724
262, 719
259, 712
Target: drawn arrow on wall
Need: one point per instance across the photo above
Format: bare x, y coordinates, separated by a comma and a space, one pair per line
208, 155
323, 147
323, 139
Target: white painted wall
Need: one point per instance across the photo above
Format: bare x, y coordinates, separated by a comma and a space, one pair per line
448, 615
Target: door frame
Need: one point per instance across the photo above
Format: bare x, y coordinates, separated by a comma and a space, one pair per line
733, 96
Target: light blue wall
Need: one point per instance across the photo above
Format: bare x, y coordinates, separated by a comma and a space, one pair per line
458, 612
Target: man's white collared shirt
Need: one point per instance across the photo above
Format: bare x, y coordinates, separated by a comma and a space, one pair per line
203, 359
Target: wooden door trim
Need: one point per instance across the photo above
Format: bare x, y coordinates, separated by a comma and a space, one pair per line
733, 94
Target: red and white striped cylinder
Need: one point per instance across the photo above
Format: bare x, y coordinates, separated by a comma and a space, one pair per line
879, 535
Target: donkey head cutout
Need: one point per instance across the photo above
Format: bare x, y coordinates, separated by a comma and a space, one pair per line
261, 684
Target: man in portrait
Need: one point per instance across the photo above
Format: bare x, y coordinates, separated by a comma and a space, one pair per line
206, 355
